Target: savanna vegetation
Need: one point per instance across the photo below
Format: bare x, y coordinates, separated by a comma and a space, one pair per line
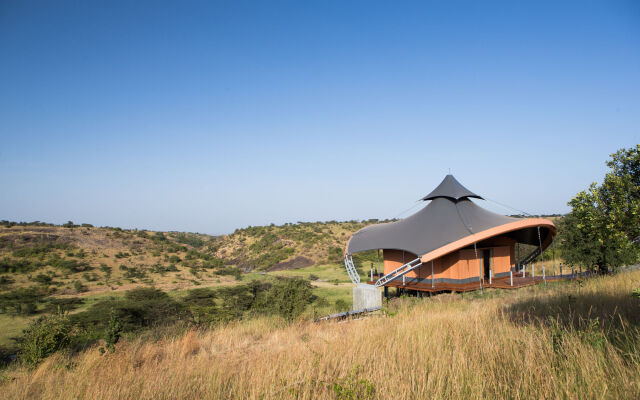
89, 273
577, 339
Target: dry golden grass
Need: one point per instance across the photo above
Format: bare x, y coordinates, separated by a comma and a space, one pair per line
537, 342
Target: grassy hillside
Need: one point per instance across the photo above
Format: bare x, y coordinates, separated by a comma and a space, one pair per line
103, 259
567, 340
43, 266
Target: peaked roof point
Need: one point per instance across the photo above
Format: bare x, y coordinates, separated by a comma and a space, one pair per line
451, 189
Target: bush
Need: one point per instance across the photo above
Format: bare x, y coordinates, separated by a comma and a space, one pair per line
40, 248
79, 287
62, 305
190, 239
335, 255
141, 307
200, 297
272, 257
18, 266
133, 272
341, 305
106, 270
230, 271
113, 332
159, 237
6, 280
43, 279
70, 266
44, 337
289, 298
23, 301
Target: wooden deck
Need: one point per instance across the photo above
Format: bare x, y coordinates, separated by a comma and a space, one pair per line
498, 283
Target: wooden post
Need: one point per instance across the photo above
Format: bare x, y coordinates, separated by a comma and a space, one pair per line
544, 276
524, 268
431, 273
403, 280
511, 277
490, 266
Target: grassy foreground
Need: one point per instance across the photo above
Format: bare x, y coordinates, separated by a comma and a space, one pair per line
566, 340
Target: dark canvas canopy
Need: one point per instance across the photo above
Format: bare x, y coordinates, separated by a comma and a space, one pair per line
449, 216
451, 188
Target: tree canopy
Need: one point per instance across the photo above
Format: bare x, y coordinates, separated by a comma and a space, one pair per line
603, 228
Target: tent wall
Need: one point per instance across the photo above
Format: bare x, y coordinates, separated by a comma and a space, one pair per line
461, 266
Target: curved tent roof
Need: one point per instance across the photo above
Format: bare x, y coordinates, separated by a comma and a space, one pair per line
450, 188
448, 218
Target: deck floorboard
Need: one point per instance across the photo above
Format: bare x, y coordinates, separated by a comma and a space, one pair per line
498, 283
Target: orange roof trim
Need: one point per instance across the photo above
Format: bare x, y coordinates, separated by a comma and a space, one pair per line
491, 232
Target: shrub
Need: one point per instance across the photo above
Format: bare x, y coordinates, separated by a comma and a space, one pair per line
113, 331
200, 297
18, 266
79, 287
190, 239
159, 237
230, 271
23, 301
272, 257
106, 270
90, 277
213, 262
237, 299
5, 280
44, 337
341, 305
61, 305
141, 307
335, 255
289, 298
321, 302
70, 266
43, 279
133, 272
40, 248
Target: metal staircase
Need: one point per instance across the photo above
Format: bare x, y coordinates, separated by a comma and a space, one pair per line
398, 272
351, 269
529, 259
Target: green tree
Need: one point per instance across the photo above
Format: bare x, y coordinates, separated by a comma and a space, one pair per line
44, 337
289, 297
603, 228
113, 332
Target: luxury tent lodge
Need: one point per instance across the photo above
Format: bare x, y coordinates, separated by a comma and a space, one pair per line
452, 244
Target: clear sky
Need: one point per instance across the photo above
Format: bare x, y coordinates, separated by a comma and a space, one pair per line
208, 116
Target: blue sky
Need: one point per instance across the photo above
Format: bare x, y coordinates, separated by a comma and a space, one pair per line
208, 116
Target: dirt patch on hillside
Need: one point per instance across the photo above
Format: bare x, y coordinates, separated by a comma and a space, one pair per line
295, 263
